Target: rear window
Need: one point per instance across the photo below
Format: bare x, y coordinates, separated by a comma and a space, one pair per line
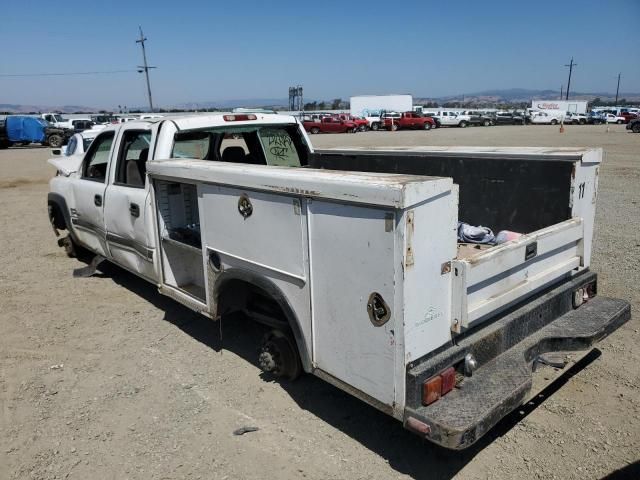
276, 145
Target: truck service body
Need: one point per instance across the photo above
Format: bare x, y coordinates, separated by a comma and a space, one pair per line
350, 257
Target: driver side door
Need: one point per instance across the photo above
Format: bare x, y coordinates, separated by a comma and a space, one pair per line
88, 192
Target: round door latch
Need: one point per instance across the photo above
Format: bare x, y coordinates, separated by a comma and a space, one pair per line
378, 310
244, 206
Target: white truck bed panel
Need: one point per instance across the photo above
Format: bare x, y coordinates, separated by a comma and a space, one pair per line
382, 189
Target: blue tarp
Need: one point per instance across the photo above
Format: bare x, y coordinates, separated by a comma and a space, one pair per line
25, 129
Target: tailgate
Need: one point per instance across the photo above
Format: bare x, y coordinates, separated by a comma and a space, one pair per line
501, 276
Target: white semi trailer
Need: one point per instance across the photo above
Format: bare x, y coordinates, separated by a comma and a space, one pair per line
571, 106
374, 105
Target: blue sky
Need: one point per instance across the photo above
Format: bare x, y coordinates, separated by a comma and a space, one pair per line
215, 50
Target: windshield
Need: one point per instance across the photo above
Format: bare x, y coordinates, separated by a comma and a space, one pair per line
276, 145
58, 118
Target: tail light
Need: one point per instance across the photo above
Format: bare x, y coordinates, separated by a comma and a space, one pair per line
239, 118
583, 294
438, 386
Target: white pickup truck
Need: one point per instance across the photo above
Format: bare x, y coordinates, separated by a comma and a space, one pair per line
350, 258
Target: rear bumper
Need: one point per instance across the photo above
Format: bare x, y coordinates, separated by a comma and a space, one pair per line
507, 352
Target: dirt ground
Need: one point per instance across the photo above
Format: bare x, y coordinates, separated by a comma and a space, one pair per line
103, 378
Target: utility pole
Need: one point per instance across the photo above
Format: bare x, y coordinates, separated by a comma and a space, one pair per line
145, 68
618, 89
561, 87
571, 65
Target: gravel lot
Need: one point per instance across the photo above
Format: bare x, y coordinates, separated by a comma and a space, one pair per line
104, 378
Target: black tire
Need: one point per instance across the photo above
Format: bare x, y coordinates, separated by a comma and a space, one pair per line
635, 128
375, 126
394, 127
4, 144
363, 128
426, 126
486, 123
554, 122
279, 355
315, 130
55, 140
619, 122
582, 121
462, 124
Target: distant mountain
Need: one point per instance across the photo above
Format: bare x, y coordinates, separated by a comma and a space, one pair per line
18, 108
496, 96
519, 95
245, 103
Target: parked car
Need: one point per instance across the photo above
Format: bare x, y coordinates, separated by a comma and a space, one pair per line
634, 125
433, 116
575, 118
104, 119
24, 130
613, 118
504, 118
361, 123
628, 116
476, 117
595, 118
547, 118
374, 122
330, 125
452, 119
78, 143
409, 120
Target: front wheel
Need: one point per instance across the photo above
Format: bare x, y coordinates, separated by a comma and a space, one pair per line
554, 122
363, 128
427, 126
375, 127
462, 124
619, 122
486, 123
54, 140
394, 127
315, 130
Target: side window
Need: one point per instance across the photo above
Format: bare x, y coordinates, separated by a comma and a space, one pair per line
95, 163
71, 146
191, 145
131, 169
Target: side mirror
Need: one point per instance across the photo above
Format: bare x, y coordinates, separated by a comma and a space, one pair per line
56, 151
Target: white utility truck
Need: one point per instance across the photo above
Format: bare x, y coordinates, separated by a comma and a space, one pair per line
350, 258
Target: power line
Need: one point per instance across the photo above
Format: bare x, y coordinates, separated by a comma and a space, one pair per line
63, 74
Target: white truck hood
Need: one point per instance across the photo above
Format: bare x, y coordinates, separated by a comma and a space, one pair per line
66, 165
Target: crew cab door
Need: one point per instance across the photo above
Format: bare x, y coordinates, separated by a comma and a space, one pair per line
127, 212
88, 192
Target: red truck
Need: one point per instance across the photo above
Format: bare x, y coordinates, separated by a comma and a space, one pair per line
330, 125
361, 123
412, 120
628, 116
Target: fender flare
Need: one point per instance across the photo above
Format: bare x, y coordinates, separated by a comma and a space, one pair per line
60, 202
275, 293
